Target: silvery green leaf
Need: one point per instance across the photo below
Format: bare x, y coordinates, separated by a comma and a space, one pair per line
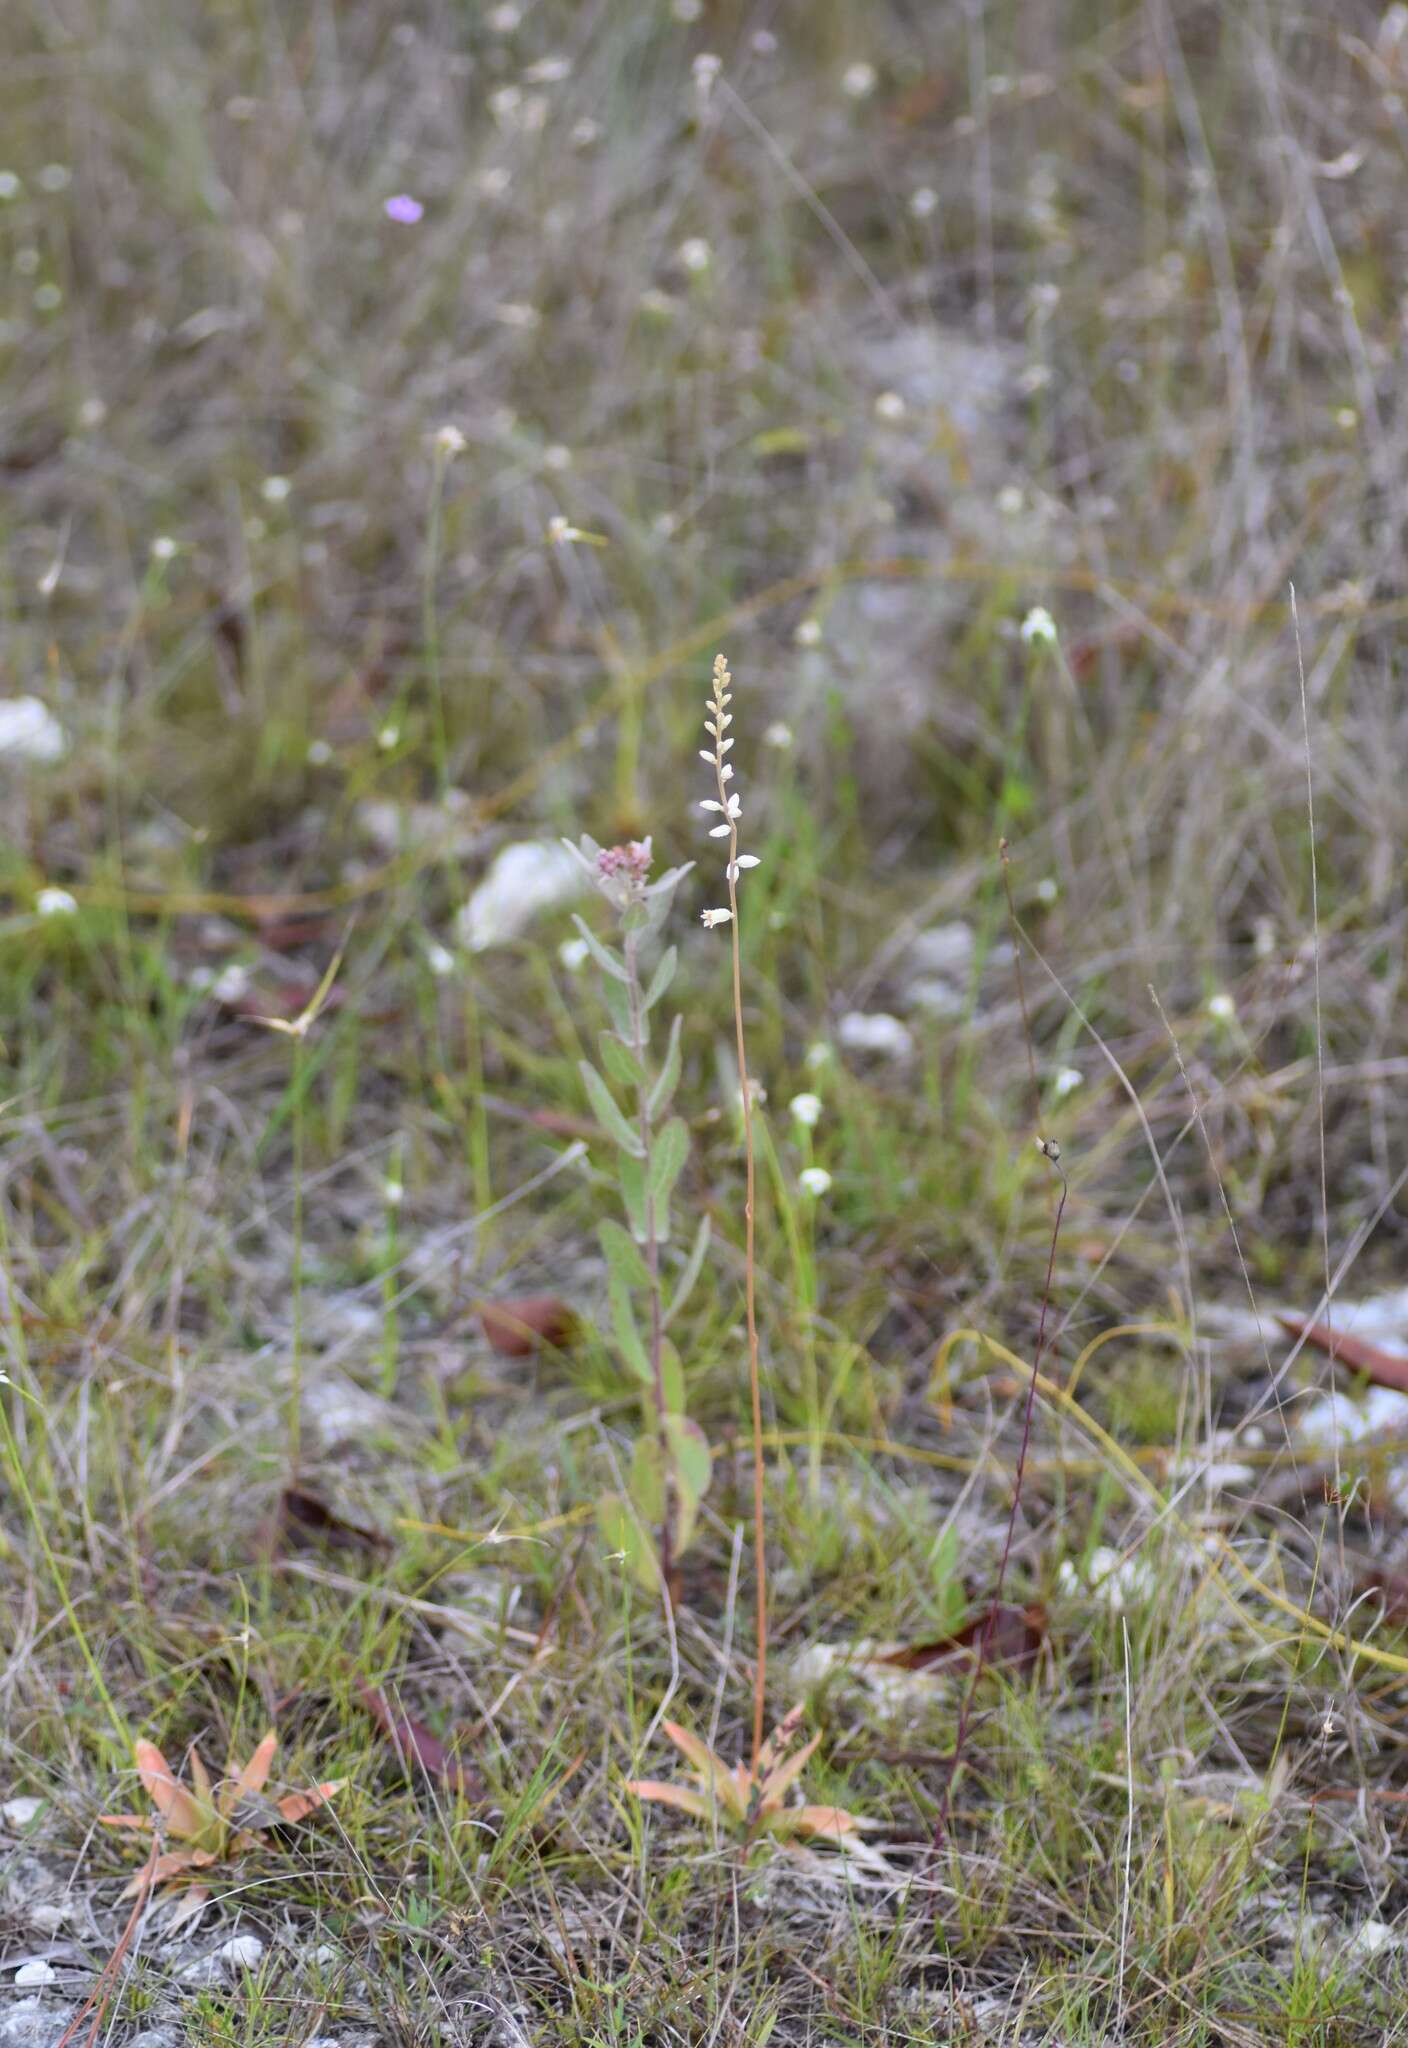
631, 1175
693, 1267
662, 977
607, 1113
610, 963
628, 1337
620, 1062
668, 1079
668, 1154
619, 1249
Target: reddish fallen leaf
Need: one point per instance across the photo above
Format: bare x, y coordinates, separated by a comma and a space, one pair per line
1390, 1587
526, 1322
413, 1741
1017, 1636
1384, 1368
303, 1515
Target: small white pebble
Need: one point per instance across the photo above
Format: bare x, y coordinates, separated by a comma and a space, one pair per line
923, 201
241, 1952
92, 412
889, 406
1047, 889
37, 1972
29, 730
9, 185
18, 1813
319, 753
858, 81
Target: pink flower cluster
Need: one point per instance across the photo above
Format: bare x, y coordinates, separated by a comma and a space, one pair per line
631, 862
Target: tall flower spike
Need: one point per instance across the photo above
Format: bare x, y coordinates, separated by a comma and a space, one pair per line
726, 805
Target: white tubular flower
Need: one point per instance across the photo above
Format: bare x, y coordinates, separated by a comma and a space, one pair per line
1039, 628
814, 1180
710, 918
806, 1110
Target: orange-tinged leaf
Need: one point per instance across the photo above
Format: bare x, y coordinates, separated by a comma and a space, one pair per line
710, 1768
161, 1869
828, 1821
194, 1899
296, 1805
126, 1820
777, 1780
671, 1795
255, 1774
169, 1796
780, 1740
201, 1776
1355, 1354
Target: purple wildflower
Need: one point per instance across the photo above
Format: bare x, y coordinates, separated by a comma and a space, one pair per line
404, 209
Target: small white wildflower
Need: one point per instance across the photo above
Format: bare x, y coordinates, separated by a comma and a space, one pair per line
890, 406
9, 185
560, 531
1047, 889
30, 731
877, 1032
48, 298
706, 68
54, 178
818, 1056
763, 43
439, 959
712, 918
858, 81
814, 1180
779, 735
275, 489
319, 753
557, 457
1010, 500
55, 903
582, 134
1347, 418
745, 860
163, 548
695, 254
1066, 1082
1039, 628
393, 1194
449, 441
513, 313
230, 985
388, 738
808, 633
1222, 1008
92, 412
574, 954
923, 201
806, 1110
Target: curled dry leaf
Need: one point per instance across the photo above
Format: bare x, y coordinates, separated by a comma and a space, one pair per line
523, 1323
303, 1517
413, 1741
1017, 1636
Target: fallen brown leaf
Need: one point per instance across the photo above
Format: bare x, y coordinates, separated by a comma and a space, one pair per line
1017, 1636
413, 1741
303, 1516
524, 1323
1384, 1368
